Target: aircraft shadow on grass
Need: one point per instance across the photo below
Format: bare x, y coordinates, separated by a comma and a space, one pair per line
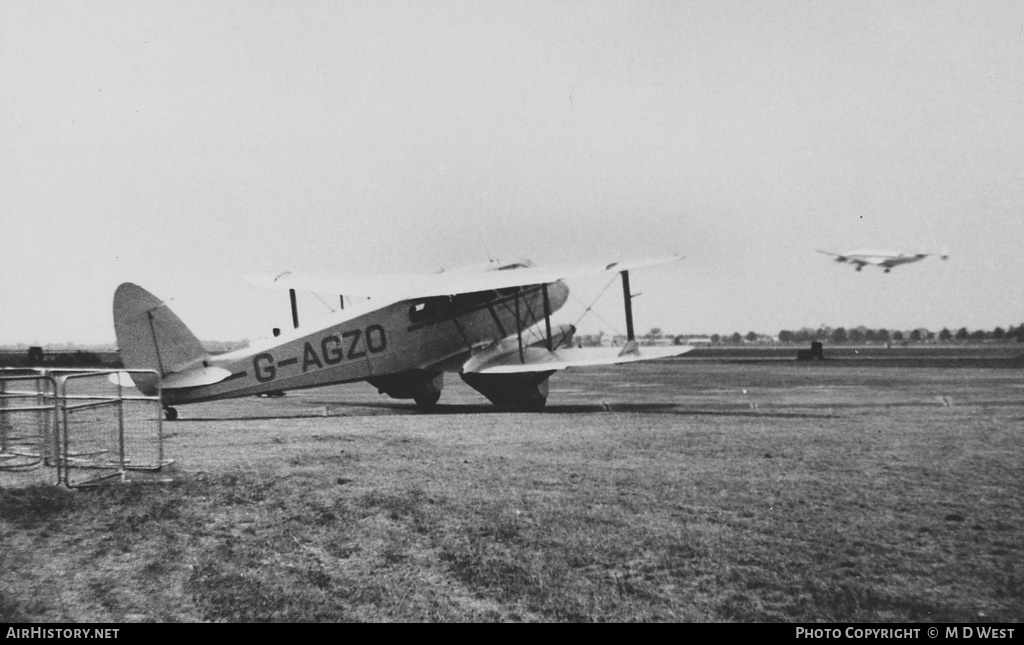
351, 410
372, 409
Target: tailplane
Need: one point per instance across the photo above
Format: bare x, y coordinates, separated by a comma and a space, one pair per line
151, 336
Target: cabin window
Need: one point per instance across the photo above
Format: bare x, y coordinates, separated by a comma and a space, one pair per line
423, 311
472, 300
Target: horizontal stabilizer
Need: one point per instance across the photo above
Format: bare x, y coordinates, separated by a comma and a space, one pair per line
539, 359
123, 379
194, 378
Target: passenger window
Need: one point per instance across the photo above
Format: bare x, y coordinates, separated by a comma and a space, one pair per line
422, 311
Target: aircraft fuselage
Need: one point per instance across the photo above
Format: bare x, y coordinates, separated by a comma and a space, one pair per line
438, 333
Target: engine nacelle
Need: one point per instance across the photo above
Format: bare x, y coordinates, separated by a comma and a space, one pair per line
527, 390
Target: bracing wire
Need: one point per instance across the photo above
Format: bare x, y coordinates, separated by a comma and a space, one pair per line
532, 333
591, 306
329, 308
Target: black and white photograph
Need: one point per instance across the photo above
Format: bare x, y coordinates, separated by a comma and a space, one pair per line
657, 311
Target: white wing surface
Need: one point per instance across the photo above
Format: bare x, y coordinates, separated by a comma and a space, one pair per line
539, 359
400, 287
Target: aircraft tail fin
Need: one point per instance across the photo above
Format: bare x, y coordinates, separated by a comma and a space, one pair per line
151, 336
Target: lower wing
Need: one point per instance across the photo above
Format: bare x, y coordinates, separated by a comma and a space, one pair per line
540, 359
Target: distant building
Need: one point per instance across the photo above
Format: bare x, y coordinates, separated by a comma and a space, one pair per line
692, 340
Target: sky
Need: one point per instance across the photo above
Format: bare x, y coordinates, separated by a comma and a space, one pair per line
180, 145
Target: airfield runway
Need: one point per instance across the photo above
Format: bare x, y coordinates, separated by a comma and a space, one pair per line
869, 488
681, 395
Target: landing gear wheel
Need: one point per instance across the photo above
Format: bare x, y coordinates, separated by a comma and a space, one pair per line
426, 401
170, 414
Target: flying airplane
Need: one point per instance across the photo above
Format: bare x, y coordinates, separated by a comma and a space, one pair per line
490, 325
884, 259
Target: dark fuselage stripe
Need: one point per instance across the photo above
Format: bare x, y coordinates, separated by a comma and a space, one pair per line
472, 309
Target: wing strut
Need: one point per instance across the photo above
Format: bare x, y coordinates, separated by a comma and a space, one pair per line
295, 308
519, 329
547, 316
628, 300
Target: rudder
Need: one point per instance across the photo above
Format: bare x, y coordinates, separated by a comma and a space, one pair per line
151, 336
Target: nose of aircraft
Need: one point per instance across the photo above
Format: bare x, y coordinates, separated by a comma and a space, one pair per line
558, 294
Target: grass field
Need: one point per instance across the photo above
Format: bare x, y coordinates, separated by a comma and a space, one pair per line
740, 488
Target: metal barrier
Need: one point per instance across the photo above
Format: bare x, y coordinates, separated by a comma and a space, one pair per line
28, 414
88, 424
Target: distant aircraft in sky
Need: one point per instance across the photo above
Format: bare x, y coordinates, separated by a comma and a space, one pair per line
884, 259
490, 325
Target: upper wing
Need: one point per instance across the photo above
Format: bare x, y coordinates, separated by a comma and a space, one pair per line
401, 287
838, 256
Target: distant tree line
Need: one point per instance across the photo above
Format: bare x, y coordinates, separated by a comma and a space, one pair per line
863, 334
37, 357
837, 335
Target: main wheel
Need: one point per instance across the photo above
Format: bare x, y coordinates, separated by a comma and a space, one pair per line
170, 414
426, 401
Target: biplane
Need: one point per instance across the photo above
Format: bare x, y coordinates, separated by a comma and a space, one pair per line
885, 259
491, 325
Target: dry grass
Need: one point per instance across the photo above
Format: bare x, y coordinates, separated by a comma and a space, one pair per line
663, 492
